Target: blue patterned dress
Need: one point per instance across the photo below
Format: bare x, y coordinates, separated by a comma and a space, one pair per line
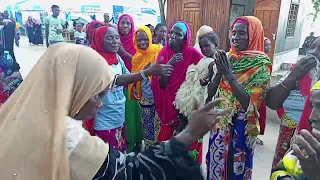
230, 156
148, 114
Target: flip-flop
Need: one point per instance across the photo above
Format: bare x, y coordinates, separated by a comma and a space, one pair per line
259, 141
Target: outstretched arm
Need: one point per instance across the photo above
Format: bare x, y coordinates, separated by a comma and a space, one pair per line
166, 160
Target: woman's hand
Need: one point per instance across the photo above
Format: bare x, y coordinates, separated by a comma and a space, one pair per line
203, 119
158, 69
175, 59
123, 52
121, 49
303, 67
308, 152
223, 65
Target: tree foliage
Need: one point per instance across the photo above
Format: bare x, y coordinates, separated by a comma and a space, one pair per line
316, 7
162, 4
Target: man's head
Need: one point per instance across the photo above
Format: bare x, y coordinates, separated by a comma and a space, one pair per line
267, 45
106, 17
55, 10
79, 27
6, 14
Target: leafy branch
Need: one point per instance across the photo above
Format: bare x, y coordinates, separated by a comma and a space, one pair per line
316, 7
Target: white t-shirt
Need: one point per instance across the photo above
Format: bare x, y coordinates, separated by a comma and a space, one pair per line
79, 35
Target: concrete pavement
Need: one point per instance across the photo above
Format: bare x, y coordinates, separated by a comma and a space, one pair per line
27, 56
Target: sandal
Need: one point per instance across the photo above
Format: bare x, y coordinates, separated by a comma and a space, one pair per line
259, 141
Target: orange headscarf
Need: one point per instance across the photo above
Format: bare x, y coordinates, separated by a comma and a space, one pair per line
256, 38
141, 59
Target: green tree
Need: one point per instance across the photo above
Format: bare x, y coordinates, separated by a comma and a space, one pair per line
162, 4
316, 7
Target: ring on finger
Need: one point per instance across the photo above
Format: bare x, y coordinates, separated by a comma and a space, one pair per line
305, 154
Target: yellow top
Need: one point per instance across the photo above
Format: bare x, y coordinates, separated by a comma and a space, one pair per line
316, 86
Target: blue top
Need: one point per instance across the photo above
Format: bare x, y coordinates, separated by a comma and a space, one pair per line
112, 114
293, 105
146, 90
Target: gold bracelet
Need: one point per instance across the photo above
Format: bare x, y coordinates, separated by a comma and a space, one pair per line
285, 87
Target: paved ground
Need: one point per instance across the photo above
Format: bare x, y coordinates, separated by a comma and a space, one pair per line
28, 56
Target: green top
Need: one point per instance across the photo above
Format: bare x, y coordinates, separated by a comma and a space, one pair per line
55, 25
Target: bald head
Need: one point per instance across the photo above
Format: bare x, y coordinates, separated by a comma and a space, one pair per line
267, 45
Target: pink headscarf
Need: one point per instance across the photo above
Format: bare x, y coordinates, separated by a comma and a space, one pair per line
127, 41
163, 98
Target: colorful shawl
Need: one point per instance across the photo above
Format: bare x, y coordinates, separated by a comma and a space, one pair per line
97, 44
127, 41
252, 69
142, 58
164, 97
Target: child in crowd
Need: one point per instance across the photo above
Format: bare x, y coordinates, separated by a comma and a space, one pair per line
17, 37
193, 90
79, 35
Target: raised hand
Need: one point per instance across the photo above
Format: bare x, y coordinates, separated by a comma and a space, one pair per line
303, 67
175, 59
223, 65
308, 153
158, 69
203, 119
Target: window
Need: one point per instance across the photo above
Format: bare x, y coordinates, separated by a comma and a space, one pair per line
292, 18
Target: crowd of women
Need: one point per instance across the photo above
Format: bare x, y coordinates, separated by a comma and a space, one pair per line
146, 99
34, 31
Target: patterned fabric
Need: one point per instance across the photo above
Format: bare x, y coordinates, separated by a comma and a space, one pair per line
290, 115
157, 126
254, 75
167, 160
230, 162
6, 89
148, 124
115, 137
283, 144
288, 167
6, 63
